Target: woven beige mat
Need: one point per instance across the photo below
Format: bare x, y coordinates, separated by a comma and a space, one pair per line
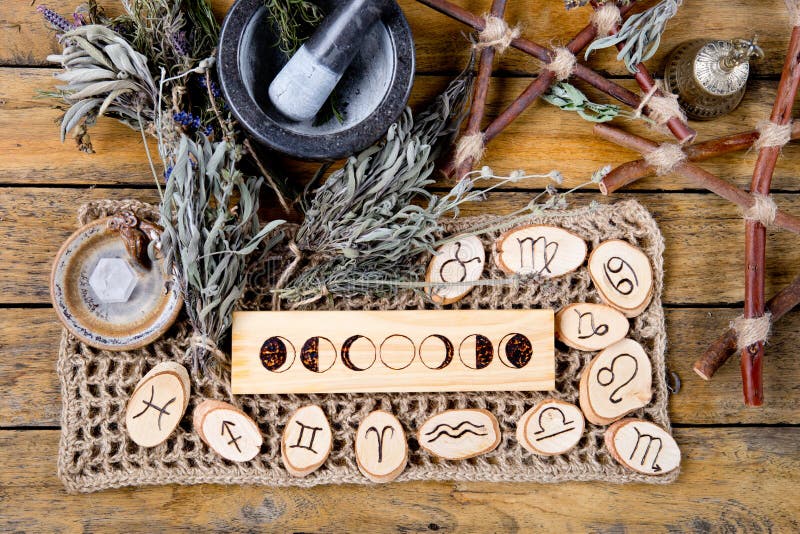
95, 452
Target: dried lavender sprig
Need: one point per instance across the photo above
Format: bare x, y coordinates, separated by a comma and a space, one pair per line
55, 20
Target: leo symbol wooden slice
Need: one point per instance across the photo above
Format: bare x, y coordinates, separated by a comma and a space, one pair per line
460, 434
551, 427
227, 430
590, 327
542, 250
643, 447
157, 404
307, 441
381, 447
622, 275
457, 264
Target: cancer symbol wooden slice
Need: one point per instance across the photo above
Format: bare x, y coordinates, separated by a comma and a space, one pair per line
460, 434
551, 427
616, 382
460, 262
622, 275
227, 430
307, 441
643, 447
546, 251
590, 327
157, 404
381, 448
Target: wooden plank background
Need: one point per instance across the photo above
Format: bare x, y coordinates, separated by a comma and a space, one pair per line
741, 466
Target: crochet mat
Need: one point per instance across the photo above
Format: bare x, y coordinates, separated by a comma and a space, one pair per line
96, 453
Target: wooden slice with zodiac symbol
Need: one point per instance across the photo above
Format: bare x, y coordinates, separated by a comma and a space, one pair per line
622, 275
457, 264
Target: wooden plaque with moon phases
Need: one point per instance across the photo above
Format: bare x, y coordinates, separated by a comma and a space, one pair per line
622, 275
459, 263
551, 427
541, 250
643, 447
590, 327
392, 351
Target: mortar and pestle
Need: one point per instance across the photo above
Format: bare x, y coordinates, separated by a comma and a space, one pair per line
363, 52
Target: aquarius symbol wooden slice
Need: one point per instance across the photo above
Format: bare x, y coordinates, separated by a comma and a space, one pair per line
227, 430
307, 441
157, 404
551, 427
622, 275
460, 434
616, 382
460, 262
381, 447
547, 251
643, 447
590, 327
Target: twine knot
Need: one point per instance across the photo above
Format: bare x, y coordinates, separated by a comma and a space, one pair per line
661, 108
496, 34
665, 158
763, 210
469, 148
771, 134
203, 342
605, 18
751, 331
793, 6
562, 63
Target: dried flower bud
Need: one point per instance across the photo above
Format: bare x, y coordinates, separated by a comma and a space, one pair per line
556, 176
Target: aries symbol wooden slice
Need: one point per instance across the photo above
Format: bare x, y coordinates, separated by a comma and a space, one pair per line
643, 447
306, 442
590, 327
460, 434
381, 448
157, 404
546, 251
227, 430
459, 263
551, 427
616, 382
622, 275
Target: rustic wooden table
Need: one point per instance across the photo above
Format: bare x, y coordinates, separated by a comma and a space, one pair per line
741, 467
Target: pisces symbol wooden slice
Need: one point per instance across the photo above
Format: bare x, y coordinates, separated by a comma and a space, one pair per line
227, 430
157, 404
381, 447
622, 275
460, 434
460, 262
551, 427
643, 447
546, 251
590, 327
307, 441
616, 382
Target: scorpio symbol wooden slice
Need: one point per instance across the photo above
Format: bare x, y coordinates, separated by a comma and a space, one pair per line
460, 434
459, 263
381, 448
590, 327
643, 447
227, 430
551, 427
157, 404
546, 251
306, 442
616, 382
622, 275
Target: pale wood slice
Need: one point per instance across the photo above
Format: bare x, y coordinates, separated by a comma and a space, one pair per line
179, 370
551, 427
227, 430
622, 275
643, 447
307, 441
459, 262
157, 405
542, 250
590, 327
616, 382
460, 434
381, 447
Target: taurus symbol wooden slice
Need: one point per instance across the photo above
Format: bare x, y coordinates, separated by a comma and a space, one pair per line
616, 382
460, 434
306, 441
622, 275
381, 448
460, 263
590, 327
157, 404
551, 427
227, 430
643, 447
541, 250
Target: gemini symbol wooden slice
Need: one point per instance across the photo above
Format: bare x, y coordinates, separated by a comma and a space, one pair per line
307, 441
227, 430
643, 447
622, 275
546, 251
381, 448
551, 427
616, 382
157, 404
590, 327
460, 434
460, 263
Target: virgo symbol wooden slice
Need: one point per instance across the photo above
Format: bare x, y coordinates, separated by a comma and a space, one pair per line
590, 327
458, 263
460, 434
551, 427
381, 448
546, 251
643, 447
622, 275
157, 404
227, 430
306, 442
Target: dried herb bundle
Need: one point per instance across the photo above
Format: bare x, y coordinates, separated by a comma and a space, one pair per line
294, 21
569, 98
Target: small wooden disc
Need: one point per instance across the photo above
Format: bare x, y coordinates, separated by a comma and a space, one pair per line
307, 441
460, 434
227, 430
157, 404
458, 262
590, 327
616, 382
546, 251
643, 447
551, 427
381, 447
622, 275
